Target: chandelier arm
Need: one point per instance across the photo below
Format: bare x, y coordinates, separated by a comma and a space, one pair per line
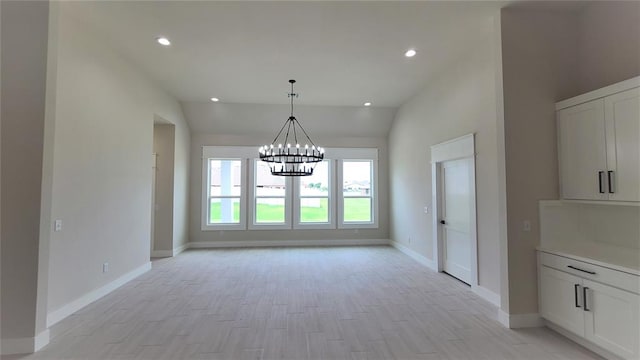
286, 137
280, 132
295, 134
305, 133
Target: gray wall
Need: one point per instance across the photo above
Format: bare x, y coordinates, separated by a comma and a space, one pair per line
547, 57
197, 235
24, 60
460, 100
101, 181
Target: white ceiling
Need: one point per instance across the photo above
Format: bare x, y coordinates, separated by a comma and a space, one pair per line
341, 53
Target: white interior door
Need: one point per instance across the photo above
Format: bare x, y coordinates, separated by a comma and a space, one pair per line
456, 221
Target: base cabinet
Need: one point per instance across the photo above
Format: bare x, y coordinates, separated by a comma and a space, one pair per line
605, 315
612, 320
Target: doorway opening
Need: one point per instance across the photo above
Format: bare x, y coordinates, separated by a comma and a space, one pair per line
163, 165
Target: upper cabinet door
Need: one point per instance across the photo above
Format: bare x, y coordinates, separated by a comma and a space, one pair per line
622, 114
582, 150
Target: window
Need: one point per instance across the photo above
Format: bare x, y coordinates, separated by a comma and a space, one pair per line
225, 190
239, 192
357, 200
223, 185
271, 199
314, 207
357, 191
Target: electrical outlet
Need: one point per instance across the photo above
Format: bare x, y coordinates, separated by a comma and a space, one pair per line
57, 225
105, 267
526, 225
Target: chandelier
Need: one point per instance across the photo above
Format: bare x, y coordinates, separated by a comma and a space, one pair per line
285, 155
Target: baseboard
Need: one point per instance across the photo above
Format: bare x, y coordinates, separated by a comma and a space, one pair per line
24, 345
70, 308
278, 243
179, 249
486, 294
415, 255
518, 321
161, 253
582, 341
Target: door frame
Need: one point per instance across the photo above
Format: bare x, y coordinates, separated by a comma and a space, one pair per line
455, 149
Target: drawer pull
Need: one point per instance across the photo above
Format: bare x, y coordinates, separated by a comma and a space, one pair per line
575, 293
584, 271
584, 298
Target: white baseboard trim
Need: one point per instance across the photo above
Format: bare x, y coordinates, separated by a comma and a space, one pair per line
415, 255
70, 308
179, 249
161, 253
278, 243
24, 345
582, 341
169, 253
518, 321
486, 294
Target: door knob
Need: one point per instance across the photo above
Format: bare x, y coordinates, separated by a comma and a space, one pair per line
442, 222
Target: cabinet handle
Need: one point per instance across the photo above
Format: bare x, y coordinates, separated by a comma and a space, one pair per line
610, 182
575, 294
600, 187
584, 298
584, 271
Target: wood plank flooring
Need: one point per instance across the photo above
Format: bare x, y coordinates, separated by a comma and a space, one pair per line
296, 303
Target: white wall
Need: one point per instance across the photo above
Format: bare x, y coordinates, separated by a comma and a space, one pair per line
24, 60
460, 100
261, 133
101, 190
609, 43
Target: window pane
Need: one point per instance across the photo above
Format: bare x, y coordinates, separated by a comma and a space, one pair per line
224, 211
314, 210
225, 177
318, 183
356, 178
267, 184
269, 210
357, 210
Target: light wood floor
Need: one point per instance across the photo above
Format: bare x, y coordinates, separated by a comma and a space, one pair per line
302, 303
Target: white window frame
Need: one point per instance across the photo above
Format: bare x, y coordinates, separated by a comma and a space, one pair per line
223, 153
297, 224
251, 208
336, 158
357, 154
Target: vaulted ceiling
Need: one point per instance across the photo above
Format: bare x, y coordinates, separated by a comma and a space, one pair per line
341, 53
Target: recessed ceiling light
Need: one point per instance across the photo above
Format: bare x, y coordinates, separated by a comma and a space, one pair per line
214, 99
367, 104
163, 41
410, 53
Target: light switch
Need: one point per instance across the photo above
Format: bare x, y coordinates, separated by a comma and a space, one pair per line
57, 225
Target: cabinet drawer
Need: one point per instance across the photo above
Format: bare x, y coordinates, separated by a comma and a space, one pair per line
619, 279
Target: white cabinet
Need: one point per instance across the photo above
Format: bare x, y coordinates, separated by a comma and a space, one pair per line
611, 318
598, 304
599, 144
583, 157
560, 299
622, 120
